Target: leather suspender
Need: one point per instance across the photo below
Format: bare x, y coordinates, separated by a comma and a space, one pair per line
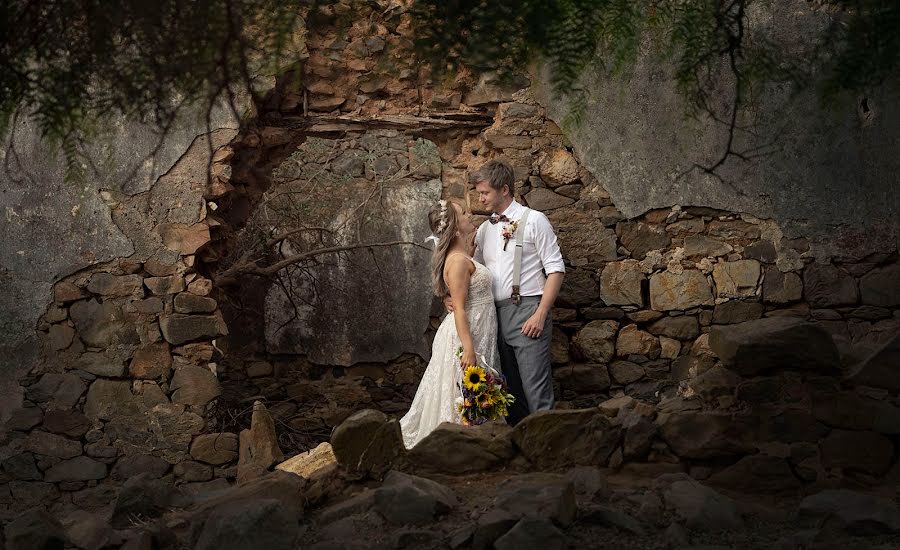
517, 262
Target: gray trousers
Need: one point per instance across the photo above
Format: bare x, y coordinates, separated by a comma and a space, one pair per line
525, 361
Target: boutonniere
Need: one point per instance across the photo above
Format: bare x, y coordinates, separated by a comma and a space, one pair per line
508, 231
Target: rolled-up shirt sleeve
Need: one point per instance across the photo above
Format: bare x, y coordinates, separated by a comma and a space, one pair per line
546, 245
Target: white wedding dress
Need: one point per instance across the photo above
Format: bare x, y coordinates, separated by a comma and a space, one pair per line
435, 400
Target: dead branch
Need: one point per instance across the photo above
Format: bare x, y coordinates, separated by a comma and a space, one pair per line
251, 267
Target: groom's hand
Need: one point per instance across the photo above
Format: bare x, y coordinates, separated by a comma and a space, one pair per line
534, 326
448, 303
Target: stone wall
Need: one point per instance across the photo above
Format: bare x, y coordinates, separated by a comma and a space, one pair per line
145, 364
825, 171
126, 352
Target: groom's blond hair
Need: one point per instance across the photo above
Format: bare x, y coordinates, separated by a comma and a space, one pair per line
497, 173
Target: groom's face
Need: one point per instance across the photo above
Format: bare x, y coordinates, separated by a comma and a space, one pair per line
491, 199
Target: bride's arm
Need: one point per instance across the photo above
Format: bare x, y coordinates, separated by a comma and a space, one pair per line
457, 273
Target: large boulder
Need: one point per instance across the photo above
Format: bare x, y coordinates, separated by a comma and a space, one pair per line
286, 488
407, 499
145, 497
859, 513
702, 508
249, 523
559, 438
35, 530
868, 452
775, 343
475, 449
532, 534
705, 434
549, 496
368, 443
757, 474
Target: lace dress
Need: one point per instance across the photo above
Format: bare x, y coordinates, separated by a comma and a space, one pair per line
435, 400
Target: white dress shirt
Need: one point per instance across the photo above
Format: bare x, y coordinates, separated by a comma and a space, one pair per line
540, 253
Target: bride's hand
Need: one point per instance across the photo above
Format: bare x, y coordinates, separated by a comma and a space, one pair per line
468, 358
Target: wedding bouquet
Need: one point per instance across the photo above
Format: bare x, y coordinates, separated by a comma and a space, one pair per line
484, 395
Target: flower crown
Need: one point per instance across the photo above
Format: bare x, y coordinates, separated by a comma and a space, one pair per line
442, 223
442, 217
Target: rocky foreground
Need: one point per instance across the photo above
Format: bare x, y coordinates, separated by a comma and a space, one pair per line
485, 487
769, 443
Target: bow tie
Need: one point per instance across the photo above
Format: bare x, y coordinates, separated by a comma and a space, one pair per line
495, 218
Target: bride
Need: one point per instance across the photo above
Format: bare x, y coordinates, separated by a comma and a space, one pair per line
472, 325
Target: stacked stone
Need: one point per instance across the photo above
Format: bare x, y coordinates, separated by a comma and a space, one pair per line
779, 396
127, 388
359, 67
127, 380
640, 292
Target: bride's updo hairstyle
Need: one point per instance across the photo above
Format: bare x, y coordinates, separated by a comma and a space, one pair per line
442, 219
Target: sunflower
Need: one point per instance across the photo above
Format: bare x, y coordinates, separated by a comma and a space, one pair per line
485, 400
473, 377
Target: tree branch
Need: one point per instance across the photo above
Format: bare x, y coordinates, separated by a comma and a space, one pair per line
251, 268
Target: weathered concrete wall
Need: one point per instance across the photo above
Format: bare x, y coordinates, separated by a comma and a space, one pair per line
52, 228
368, 305
833, 174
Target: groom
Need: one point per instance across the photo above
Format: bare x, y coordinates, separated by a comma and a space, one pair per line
523, 309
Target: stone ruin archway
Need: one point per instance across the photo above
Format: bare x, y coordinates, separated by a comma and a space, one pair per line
147, 366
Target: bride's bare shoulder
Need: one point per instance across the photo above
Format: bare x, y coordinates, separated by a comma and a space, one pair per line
458, 261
